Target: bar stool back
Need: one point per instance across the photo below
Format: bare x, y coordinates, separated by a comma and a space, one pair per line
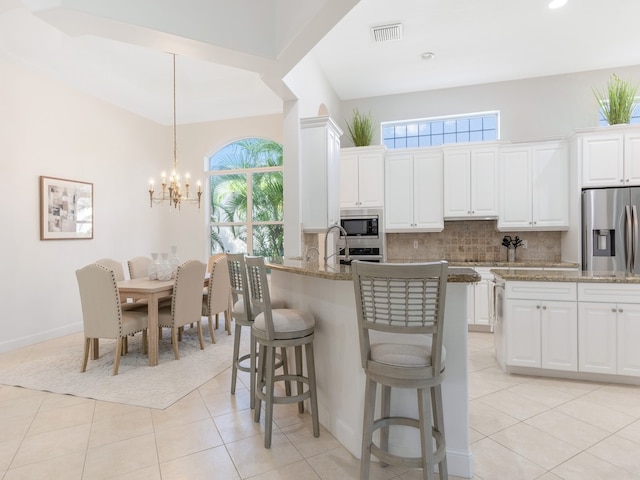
404, 299
280, 328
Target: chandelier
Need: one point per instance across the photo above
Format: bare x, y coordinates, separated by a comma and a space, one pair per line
172, 189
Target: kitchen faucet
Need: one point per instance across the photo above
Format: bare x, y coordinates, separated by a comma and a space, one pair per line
346, 246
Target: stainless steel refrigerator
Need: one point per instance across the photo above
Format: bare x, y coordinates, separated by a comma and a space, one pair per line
610, 229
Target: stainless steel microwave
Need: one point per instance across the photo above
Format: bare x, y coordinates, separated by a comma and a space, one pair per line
365, 235
362, 223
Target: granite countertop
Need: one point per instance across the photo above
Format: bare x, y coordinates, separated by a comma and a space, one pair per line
343, 272
527, 264
578, 276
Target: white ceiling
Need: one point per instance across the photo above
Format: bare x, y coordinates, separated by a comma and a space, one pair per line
233, 55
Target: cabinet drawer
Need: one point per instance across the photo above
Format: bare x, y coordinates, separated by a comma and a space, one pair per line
609, 292
541, 290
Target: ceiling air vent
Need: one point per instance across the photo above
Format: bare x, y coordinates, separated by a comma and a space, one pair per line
386, 33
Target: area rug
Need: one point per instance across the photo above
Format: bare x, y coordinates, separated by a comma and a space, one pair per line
58, 370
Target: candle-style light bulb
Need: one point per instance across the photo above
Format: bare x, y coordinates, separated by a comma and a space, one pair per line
151, 185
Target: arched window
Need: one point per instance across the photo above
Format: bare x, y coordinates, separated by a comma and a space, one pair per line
246, 198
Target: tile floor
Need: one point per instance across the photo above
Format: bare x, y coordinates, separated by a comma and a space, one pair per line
522, 428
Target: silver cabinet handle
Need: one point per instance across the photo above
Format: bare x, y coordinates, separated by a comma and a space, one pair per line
544, 307
613, 309
620, 310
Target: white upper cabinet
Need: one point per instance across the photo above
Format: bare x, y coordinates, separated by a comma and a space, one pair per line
534, 186
319, 173
413, 191
470, 180
362, 177
610, 158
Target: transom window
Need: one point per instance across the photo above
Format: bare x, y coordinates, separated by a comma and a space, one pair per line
246, 201
434, 131
635, 117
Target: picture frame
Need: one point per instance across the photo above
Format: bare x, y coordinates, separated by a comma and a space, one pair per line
66, 209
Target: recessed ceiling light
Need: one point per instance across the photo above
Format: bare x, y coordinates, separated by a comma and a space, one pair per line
557, 3
427, 56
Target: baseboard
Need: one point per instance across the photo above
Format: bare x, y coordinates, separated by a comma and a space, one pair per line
16, 343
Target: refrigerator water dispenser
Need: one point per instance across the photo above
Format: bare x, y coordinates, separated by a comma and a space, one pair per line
604, 242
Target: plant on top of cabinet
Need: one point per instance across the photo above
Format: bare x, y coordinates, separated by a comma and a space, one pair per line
361, 129
618, 101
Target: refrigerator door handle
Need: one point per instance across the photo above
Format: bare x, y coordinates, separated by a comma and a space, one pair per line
635, 238
628, 244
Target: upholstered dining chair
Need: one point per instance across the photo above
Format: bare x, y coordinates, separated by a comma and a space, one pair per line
275, 328
102, 313
217, 296
139, 267
403, 300
186, 302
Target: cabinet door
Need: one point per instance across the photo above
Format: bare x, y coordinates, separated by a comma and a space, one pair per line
550, 186
522, 332
333, 172
515, 189
484, 163
348, 180
632, 159
427, 191
559, 335
597, 337
320, 173
628, 323
398, 200
457, 183
370, 180
481, 302
602, 160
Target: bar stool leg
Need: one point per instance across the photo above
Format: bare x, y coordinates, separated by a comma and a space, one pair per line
313, 399
285, 370
385, 412
268, 407
259, 383
367, 427
438, 423
426, 440
236, 355
299, 387
252, 371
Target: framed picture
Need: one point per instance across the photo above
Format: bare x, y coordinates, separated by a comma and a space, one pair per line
66, 209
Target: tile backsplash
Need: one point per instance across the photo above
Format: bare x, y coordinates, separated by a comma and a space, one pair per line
472, 241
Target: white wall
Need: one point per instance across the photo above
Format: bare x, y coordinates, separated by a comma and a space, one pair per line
532, 108
49, 129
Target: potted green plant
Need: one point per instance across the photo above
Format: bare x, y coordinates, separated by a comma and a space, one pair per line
618, 101
361, 129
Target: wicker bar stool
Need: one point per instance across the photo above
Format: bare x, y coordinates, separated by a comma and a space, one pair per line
243, 315
403, 299
280, 328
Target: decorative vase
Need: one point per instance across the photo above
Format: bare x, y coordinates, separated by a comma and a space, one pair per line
511, 255
164, 268
153, 267
174, 261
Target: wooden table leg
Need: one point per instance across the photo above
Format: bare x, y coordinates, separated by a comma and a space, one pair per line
152, 330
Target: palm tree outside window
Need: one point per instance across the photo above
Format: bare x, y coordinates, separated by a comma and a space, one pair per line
246, 201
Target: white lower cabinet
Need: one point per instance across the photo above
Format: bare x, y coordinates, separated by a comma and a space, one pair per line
540, 325
609, 328
480, 298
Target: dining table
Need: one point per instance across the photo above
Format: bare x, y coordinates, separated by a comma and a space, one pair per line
152, 291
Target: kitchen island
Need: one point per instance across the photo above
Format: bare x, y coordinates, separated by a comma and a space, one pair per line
328, 294
569, 324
